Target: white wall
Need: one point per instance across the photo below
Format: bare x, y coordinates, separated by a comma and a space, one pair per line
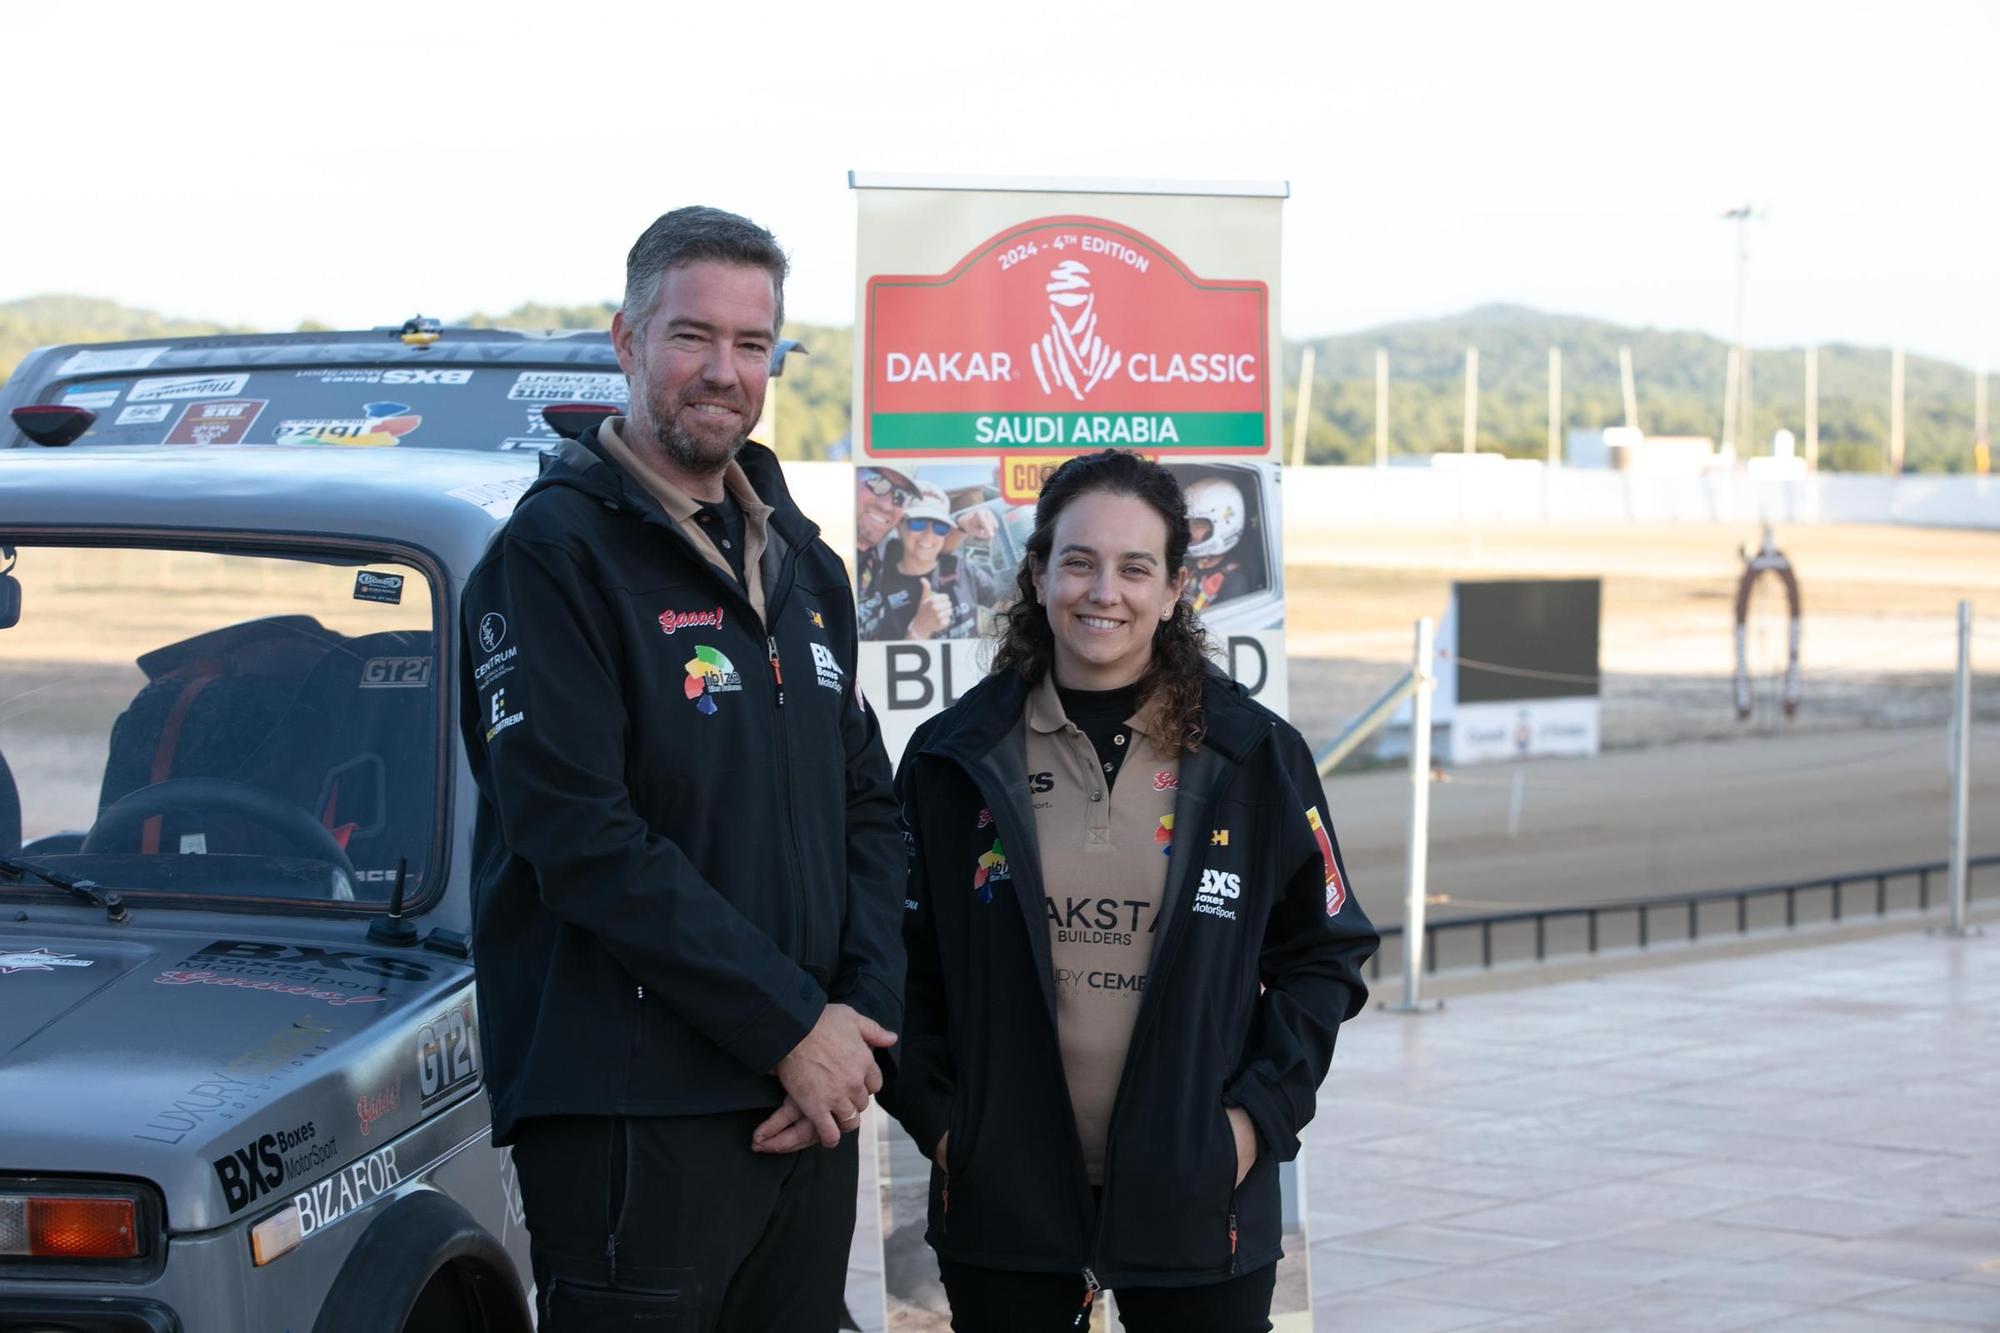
1528, 492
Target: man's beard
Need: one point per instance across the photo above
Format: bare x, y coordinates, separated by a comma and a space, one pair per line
693, 454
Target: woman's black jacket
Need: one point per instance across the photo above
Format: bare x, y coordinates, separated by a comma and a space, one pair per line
1256, 964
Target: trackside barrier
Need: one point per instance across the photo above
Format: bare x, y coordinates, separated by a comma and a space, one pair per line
1687, 907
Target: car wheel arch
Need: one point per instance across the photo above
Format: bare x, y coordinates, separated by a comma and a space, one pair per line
418, 1239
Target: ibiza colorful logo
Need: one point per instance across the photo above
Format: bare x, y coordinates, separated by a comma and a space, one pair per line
380, 424
1336, 887
709, 673
991, 868
1164, 835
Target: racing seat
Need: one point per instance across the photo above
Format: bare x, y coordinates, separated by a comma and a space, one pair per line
209, 702
358, 749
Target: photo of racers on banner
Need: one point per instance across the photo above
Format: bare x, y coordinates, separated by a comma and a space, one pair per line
939, 545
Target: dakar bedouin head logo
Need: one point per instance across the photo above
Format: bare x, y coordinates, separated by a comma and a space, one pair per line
709, 673
1071, 355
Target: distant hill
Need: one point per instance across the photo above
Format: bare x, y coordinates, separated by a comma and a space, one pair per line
1679, 378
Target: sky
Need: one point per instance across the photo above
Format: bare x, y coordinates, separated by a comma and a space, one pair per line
355, 164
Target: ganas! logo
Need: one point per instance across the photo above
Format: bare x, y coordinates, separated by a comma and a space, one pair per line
992, 866
672, 621
709, 673
1062, 334
1164, 835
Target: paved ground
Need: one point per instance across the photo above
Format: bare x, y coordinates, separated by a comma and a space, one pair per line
1797, 1140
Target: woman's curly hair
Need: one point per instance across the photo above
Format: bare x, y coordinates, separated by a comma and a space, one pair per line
1175, 677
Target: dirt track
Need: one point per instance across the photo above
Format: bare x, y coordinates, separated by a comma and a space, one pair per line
1685, 797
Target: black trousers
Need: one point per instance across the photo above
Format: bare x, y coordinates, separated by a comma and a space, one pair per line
672, 1225
990, 1300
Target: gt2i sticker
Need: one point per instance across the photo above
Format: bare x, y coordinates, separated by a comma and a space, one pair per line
269, 1160
1336, 888
447, 1055
353, 1187
225, 421
372, 587
365, 375
396, 673
40, 960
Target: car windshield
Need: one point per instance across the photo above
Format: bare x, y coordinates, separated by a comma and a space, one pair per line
209, 723
344, 406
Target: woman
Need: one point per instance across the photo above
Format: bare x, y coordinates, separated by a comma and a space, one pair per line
921, 591
1130, 943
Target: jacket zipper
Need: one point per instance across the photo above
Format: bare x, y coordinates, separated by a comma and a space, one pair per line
1090, 1290
1232, 1240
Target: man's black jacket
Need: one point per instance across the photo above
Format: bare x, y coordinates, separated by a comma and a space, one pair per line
1253, 895
686, 843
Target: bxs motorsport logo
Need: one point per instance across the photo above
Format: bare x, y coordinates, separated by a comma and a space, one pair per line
826, 668
268, 1161
1218, 893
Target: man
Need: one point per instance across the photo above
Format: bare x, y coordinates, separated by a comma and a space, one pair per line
687, 866
879, 496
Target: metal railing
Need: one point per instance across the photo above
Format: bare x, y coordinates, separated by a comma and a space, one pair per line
1646, 911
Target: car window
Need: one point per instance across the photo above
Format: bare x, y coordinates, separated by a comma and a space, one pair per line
342, 406
220, 723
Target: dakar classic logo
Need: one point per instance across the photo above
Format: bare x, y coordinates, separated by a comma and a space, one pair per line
1064, 333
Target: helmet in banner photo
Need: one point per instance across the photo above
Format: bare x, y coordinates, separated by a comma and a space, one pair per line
1215, 517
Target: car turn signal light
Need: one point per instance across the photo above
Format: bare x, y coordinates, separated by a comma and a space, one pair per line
36, 1226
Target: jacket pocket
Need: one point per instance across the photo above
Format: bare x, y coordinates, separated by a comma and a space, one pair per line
673, 1305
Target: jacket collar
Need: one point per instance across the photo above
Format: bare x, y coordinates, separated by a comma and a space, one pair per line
586, 466
985, 714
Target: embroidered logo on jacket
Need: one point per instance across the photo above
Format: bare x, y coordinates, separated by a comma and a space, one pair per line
1166, 780
709, 673
672, 620
1336, 888
1164, 835
818, 620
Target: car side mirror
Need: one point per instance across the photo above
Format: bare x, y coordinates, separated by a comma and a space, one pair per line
10, 601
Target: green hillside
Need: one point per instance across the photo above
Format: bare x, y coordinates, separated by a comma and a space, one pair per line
1679, 378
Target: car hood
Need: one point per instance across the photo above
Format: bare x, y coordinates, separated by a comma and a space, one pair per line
231, 1072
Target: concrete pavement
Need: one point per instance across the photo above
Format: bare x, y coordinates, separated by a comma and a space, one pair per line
1807, 1139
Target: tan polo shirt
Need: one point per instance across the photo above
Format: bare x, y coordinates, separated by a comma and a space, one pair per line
682, 507
1104, 871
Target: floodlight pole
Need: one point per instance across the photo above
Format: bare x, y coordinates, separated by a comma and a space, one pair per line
1424, 672
1961, 769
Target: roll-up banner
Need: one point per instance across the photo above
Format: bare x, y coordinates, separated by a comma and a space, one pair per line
1005, 325
1002, 326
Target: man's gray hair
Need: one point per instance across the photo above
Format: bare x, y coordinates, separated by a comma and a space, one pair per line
688, 235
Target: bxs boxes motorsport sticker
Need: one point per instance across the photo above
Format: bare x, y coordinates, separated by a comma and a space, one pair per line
224, 421
1071, 334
